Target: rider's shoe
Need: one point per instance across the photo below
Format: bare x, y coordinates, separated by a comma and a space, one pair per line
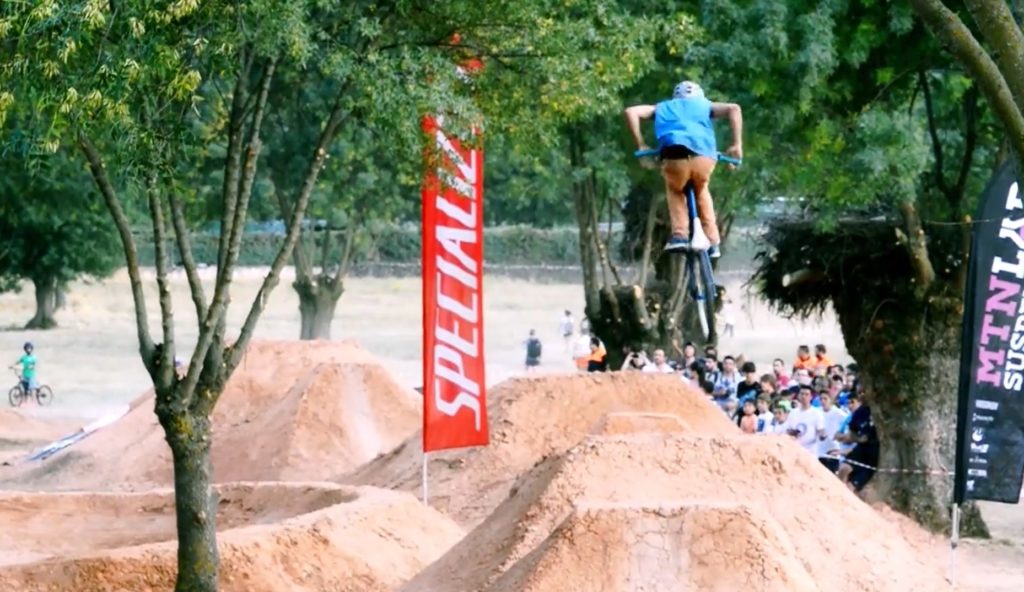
713, 252
677, 243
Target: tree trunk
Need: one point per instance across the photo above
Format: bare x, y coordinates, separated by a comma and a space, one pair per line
318, 298
908, 352
189, 437
46, 300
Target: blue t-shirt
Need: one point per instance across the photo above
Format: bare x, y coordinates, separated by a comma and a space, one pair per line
686, 122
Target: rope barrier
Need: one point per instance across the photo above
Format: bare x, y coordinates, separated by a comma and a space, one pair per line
941, 472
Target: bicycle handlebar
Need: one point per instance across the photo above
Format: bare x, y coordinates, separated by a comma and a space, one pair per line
655, 152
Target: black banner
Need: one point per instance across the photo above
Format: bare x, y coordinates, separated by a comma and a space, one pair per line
990, 412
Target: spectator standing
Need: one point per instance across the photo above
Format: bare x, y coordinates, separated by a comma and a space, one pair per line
821, 359
780, 418
748, 417
597, 362
533, 351
834, 419
750, 387
764, 414
768, 385
730, 378
729, 318
779, 369
807, 422
566, 327
581, 349
635, 360
659, 363
689, 354
861, 432
803, 360
711, 370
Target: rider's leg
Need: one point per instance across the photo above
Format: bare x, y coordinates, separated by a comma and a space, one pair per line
677, 174
701, 170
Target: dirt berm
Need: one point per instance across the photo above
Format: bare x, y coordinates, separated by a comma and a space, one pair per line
292, 411
532, 418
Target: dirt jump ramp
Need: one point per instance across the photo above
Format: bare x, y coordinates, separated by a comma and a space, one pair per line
291, 411
593, 511
533, 418
273, 537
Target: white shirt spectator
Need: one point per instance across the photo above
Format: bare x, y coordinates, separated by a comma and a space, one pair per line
566, 326
834, 419
807, 422
664, 368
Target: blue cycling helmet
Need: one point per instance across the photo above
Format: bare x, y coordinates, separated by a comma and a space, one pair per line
28, 346
687, 89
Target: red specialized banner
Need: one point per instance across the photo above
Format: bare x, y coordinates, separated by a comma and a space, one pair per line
454, 402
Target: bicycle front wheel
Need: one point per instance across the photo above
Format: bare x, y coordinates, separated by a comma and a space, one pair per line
44, 395
15, 396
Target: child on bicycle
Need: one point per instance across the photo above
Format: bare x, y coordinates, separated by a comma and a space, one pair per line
686, 143
28, 369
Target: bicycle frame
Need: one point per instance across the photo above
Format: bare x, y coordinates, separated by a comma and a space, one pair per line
698, 271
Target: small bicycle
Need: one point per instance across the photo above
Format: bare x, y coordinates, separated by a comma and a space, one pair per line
700, 278
20, 393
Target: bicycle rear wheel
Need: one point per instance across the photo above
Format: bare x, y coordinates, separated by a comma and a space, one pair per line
696, 287
15, 396
44, 395
705, 282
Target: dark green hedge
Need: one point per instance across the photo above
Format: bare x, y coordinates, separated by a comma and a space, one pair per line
521, 245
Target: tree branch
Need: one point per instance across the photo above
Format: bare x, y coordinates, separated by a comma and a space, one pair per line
213, 326
645, 260
970, 143
187, 260
915, 242
164, 376
233, 158
999, 28
147, 348
325, 249
929, 108
951, 32
303, 268
236, 352
347, 251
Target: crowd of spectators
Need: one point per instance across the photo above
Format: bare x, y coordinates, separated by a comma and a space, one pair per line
812, 400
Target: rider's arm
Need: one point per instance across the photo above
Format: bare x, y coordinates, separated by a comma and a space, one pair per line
633, 116
735, 115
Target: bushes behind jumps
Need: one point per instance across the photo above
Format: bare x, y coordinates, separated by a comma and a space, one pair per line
507, 245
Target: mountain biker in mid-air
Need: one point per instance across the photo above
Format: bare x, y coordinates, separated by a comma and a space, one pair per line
686, 143
28, 369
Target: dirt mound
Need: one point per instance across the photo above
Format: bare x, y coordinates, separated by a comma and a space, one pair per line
21, 433
817, 518
643, 547
532, 418
20, 428
631, 423
292, 411
273, 536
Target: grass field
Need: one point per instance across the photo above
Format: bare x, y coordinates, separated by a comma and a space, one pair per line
92, 361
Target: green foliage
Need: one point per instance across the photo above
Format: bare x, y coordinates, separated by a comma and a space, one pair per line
53, 228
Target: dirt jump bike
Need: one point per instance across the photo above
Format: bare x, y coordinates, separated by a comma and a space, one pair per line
21, 393
699, 277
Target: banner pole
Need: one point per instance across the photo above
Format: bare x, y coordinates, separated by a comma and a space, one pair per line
954, 540
425, 478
